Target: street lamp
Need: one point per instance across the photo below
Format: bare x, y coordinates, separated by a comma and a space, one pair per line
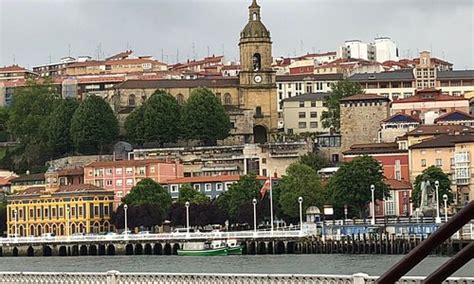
300, 201
254, 202
187, 216
445, 199
438, 219
16, 220
68, 208
345, 213
125, 208
372, 189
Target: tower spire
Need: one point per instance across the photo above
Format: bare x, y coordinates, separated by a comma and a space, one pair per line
254, 11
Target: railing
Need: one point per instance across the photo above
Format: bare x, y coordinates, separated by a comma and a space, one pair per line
157, 237
115, 277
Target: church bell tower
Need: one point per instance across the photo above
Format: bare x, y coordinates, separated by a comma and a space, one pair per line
257, 78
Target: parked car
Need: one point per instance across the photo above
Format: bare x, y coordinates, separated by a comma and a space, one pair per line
144, 232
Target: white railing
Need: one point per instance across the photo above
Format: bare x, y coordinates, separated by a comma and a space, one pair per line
115, 277
157, 237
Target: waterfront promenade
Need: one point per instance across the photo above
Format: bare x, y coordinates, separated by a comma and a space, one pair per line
115, 277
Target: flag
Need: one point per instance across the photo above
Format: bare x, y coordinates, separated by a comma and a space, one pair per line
266, 186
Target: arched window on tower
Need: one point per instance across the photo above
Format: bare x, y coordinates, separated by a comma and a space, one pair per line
180, 99
131, 100
257, 62
254, 16
227, 99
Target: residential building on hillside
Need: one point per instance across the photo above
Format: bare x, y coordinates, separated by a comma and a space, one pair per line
428, 104
398, 202
58, 209
262, 159
328, 145
27, 181
456, 117
455, 82
120, 176
452, 154
425, 132
303, 113
360, 118
426, 70
393, 159
57, 68
397, 125
381, 50
15, 72
211, 186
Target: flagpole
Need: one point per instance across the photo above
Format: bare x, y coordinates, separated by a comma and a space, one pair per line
271, 203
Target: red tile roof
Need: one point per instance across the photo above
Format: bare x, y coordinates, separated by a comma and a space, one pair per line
203, 179
63, 189
374, 148
5, 181
71, 172
398, 184
434, 129
429, 95
454, 116
13, 68
364, 97
127, 163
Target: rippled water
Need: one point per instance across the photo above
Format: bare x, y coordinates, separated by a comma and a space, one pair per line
293, 264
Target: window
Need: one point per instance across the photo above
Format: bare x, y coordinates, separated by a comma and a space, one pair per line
439, 163
290, 130
118, 171
119, 182
313, 103
423, 162
131, 100
80, 211
398, 172
60, 212
96, 210
106, 210
207, 187
313, 124
180, 99
174, 188
152, 170
108, 172
301, 104
197, 187
258, 112
141, 170
301, 125
302, 114
108, 182
227, 99
129, 171
264, 160
313, 114
289, 94
119, 193
219, 187
99, 182
130, 181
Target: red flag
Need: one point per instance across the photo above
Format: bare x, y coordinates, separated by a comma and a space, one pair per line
266, 186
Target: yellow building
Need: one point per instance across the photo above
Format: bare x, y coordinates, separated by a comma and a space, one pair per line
451, 153
59, 209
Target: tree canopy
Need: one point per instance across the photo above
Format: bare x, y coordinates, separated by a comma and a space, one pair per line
135, 127
314, 161
193, 196
300, 181
341, 89
60, 141
149, 192
432, 174
204, 117
94, 126
351, 184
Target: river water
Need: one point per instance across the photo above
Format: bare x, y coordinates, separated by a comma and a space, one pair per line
287, 264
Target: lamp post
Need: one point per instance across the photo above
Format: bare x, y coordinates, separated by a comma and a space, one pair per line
345, 213
15, 218
372, 189
438, 218
254, 202
125, 208
445, 199
68, 208
300, 201
187, 217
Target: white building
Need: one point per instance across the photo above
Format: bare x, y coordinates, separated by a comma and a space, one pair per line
381, 50
385, 49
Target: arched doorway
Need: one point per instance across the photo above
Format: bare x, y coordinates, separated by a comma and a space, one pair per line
259, 134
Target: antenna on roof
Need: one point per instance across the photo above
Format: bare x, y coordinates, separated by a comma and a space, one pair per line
177, 55
208, 51
14, 59
162, 55
194, 51
223, 50
69, 49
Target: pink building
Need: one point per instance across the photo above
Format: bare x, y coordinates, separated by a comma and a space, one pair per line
121, 176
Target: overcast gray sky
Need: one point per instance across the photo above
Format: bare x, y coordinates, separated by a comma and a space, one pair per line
33, 31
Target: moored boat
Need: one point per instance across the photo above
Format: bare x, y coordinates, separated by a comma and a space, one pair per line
233, 247
213, 248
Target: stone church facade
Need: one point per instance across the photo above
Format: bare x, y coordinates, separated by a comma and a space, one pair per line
250, 99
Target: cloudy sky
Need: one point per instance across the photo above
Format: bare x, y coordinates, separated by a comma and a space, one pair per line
33, 32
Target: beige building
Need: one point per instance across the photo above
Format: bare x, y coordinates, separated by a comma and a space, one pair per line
360, 119
303, 113
451, 153
425, 132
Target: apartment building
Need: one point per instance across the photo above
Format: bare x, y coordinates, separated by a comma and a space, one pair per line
15, 72
303, 113
121, 176
397, 125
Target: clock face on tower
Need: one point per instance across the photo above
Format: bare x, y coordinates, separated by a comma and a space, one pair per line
257, 79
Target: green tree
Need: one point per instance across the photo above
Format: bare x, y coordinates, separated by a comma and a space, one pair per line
204, 117
188, 193
432, 174
3, 217
300, 180
134, 126
60, 141
4, 116
341, 89
239, 196
149, 192
161, 118
351, 184
93, 126
314, 161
